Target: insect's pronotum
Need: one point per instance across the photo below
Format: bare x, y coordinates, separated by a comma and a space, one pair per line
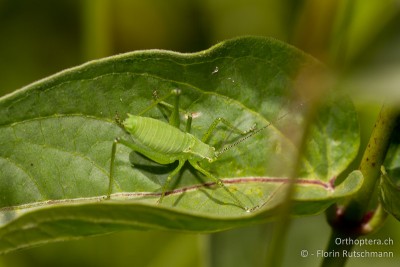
165, 143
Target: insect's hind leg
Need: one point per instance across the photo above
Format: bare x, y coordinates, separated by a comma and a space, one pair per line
219, 183
112, 163
132, 146
111, 178
158, 100
174, 118
144, 152
228, 124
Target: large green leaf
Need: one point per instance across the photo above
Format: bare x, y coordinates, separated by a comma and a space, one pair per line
56, 137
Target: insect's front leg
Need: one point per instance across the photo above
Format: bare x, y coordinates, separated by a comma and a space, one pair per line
219, 183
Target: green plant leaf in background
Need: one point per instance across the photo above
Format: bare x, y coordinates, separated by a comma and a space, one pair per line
56, 137
390, 178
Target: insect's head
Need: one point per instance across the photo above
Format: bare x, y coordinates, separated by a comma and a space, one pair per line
214, 156
202, 151
211, 154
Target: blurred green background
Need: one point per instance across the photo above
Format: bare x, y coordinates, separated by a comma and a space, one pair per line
359, 40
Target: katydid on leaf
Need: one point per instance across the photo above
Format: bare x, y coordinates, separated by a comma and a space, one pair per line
165, 143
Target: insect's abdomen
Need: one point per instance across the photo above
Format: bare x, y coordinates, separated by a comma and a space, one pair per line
156, 135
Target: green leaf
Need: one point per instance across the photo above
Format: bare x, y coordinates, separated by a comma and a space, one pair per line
390, 179
56, 137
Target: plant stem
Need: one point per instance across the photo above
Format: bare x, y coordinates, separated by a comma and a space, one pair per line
353, 220
339, 249
276, 247
371, 162
96, 24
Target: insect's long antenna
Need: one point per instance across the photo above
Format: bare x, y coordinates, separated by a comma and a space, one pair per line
241, 140
252, 132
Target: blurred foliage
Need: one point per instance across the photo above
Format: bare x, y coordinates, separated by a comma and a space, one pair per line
358, 39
